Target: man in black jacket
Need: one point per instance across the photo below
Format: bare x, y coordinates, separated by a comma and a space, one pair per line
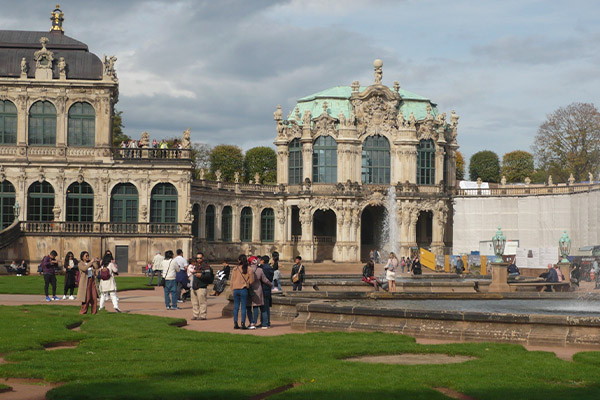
268, 271
299, 269
203, 276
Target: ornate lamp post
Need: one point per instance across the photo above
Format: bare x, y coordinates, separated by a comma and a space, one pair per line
564, 244
16, 209
499, 241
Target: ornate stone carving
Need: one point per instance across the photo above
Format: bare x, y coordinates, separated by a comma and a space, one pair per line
80, 177
41, 175
236, 177
62, 68
342, 119
189, 217
144, 212
202, 172
377, 65
56, 210
323, 203
377, 199
145, 140
109, 67
2, 173
257, 178
186, 139
306, 118
99, 212
397, 87
324, 126
24, 67
43, 61
355, 87
280, 212
292, 130
218, 175
376, 112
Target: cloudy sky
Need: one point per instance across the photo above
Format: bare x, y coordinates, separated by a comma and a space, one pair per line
221, 67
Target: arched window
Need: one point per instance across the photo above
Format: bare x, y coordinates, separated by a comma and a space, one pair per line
295, 162
124, 203
426, 163
42, 124
210, 223
7, 202
267, 225
325, 160
82, 125
376, 160
80, 202
163, 204
195, 220
8, 122
246, 225
226, 224
40, 202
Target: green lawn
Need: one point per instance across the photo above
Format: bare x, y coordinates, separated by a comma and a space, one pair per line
34, 284
123, 356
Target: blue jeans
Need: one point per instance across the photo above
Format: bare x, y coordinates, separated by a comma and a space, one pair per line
154, 272
255, 313
266, 310
240, 297
277, 284
171, 289
297, 286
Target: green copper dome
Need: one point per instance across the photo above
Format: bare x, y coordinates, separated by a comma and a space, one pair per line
338, 99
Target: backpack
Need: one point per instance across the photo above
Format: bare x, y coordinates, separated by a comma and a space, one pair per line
104, 274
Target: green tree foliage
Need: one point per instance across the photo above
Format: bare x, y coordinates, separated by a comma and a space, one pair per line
201, 157
228, 159
262, 160
117, 131
460, 166
568, 142
485, 165
517, 165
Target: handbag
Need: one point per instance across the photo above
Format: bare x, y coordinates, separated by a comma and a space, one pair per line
296, 276
162, 282
250, 290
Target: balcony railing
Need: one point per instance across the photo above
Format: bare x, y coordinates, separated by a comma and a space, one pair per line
152, 154
106, 228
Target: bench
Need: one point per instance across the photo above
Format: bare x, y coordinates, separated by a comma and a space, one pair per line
540, 285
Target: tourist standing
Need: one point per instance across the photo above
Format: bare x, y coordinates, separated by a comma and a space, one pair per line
596, 274
108, 285
402, 263
87, 292
297, 275
268, 273
391, 267
71, 271
156, 267
171, 268
276, 272
203, 276
180, 260
241, 279
49, 265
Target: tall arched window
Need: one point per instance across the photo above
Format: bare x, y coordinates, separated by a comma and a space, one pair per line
426, 163
226, 224
209, 223
8, 122
195, 220
42, 124
7, 202
163, 204
267, 225
80, 202
376, 160
82, 125
295, 162
246, 224
124, 203
325, 160
40, 202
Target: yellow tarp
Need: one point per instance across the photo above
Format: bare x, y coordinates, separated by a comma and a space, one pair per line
427, 259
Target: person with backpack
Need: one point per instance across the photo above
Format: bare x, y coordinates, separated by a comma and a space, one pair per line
107, 283
48, 266
242, 278
297, 275
202, 277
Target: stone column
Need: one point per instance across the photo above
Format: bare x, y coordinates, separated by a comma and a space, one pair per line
283, 155
22, 120
499, 278
218, 212
235, 224
256, 224
412, 229
410, 159
202, 223
61, 121
307, 154
439, 164
451, 166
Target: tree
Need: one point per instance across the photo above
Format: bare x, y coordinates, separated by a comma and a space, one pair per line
485, 165
568, 142
118, 135
262, 160
460, 166
517, 165
201, 157
228, 159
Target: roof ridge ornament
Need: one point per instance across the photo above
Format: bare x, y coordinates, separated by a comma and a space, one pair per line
43, 61
57, 18
378, 64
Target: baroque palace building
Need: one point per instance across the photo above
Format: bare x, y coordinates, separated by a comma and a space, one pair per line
338, 154
62, 184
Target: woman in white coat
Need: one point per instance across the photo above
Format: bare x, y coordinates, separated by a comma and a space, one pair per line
390, 272
108, 286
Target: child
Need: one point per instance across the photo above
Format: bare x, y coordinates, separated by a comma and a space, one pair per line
276, 273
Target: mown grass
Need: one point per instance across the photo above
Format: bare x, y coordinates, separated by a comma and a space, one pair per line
34, 284
123, 356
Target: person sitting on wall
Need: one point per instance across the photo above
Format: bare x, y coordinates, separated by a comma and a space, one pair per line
416, 266
368, 275
513, 270
549, 276
575, 274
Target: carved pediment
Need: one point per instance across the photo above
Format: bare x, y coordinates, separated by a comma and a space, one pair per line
44, 57
376, 110
293, 130
324, 125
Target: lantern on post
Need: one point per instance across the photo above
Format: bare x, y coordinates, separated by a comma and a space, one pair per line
16, 209
564, 244
499, 241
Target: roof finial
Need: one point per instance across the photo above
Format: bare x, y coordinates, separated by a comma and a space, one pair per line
378, 71
57, 18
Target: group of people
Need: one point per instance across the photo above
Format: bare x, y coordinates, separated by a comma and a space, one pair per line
391, 268
130, 148
18, 269
94, 279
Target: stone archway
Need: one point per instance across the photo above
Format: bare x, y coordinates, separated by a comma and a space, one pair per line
425, 229
372, 230
324, 234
